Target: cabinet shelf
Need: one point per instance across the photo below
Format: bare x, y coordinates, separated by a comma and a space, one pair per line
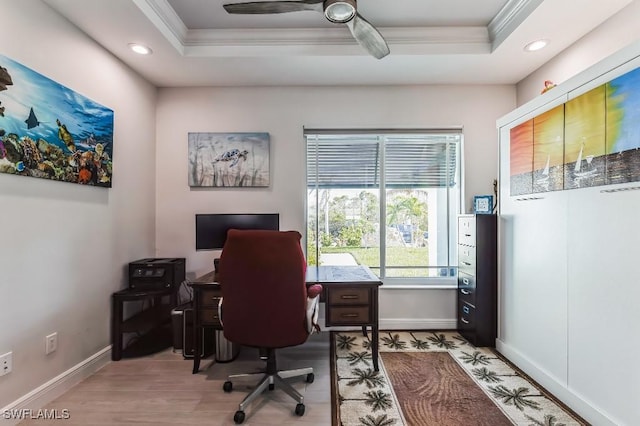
144, 323
146, 319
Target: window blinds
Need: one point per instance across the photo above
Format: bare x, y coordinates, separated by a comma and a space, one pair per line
426, 160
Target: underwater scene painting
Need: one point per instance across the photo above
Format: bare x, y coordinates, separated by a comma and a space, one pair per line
229, 159
50, 131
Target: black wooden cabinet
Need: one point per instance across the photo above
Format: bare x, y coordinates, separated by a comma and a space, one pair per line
477, 278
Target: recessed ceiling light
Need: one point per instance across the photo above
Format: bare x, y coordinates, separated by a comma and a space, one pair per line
536, 45
140, 49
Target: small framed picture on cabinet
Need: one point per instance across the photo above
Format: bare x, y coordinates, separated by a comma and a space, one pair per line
483, 204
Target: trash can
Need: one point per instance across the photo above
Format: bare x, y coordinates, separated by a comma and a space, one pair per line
226, 350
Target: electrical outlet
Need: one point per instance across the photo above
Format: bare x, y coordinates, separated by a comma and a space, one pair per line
6, 363
51, 343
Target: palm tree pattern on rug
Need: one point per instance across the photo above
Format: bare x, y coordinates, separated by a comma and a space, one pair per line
366, 398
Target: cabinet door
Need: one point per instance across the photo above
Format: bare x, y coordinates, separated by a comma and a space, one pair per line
533, 283
603, 298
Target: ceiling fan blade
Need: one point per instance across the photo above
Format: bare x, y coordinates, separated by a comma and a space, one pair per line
368, 37
261, 7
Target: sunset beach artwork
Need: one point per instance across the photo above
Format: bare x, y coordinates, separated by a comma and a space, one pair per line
623, 128
590, 140
584, 150
548, 144
521, 156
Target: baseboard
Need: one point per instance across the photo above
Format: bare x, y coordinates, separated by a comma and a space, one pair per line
402, 324
417, 324
55, 387
558, 389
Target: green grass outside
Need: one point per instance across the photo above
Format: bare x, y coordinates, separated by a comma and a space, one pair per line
396, 256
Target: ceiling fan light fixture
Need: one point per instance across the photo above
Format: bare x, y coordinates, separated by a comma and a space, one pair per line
340, 11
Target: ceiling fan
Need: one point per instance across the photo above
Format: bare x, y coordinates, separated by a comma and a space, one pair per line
336, 11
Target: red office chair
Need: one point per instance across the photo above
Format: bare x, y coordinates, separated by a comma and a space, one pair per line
265, 303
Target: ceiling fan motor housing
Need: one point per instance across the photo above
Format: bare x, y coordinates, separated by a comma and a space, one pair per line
340, 11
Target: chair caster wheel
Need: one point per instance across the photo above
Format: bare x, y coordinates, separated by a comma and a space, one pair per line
239, 417
300, 410
228, 387
310, 378
272, 386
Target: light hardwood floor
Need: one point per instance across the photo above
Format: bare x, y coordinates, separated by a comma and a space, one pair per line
160, 390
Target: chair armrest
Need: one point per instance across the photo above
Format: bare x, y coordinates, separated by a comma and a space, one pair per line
313, 308
314, 290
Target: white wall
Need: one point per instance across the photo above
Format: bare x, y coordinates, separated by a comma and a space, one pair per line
65, 246
284, 112
612, 35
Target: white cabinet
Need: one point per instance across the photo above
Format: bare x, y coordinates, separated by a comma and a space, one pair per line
603, 295
568, 283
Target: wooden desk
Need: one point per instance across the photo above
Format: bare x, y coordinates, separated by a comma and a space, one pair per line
206, 297
350, 298
350, 294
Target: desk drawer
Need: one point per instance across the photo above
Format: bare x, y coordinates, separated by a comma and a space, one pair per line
349, 296
210, 317
348, 315
210, 298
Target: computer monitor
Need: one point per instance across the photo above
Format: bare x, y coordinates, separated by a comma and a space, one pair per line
211, 229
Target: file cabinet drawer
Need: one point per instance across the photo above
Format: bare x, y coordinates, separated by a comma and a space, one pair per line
467, 259
467, 288
466, 317
467, 230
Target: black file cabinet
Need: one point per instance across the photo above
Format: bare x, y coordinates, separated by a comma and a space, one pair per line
477, 279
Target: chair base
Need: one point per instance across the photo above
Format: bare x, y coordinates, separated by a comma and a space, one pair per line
269, 379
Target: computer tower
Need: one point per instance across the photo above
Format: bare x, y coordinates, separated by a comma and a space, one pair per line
177, 326
186, 334
157, 273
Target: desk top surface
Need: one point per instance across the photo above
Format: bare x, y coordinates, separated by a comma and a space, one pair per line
341, 274
208, 278
141, 294
318, 274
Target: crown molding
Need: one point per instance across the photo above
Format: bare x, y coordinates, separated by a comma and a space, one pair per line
333, 41
509, 18
319, 41
166, 20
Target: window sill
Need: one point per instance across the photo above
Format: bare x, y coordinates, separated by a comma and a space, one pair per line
418, 287
450, 283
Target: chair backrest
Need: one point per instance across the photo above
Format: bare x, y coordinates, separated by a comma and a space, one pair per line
262, 275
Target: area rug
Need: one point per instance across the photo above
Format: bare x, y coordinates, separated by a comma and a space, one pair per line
433, 378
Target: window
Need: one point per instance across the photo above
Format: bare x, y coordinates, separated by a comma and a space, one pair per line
388, 200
